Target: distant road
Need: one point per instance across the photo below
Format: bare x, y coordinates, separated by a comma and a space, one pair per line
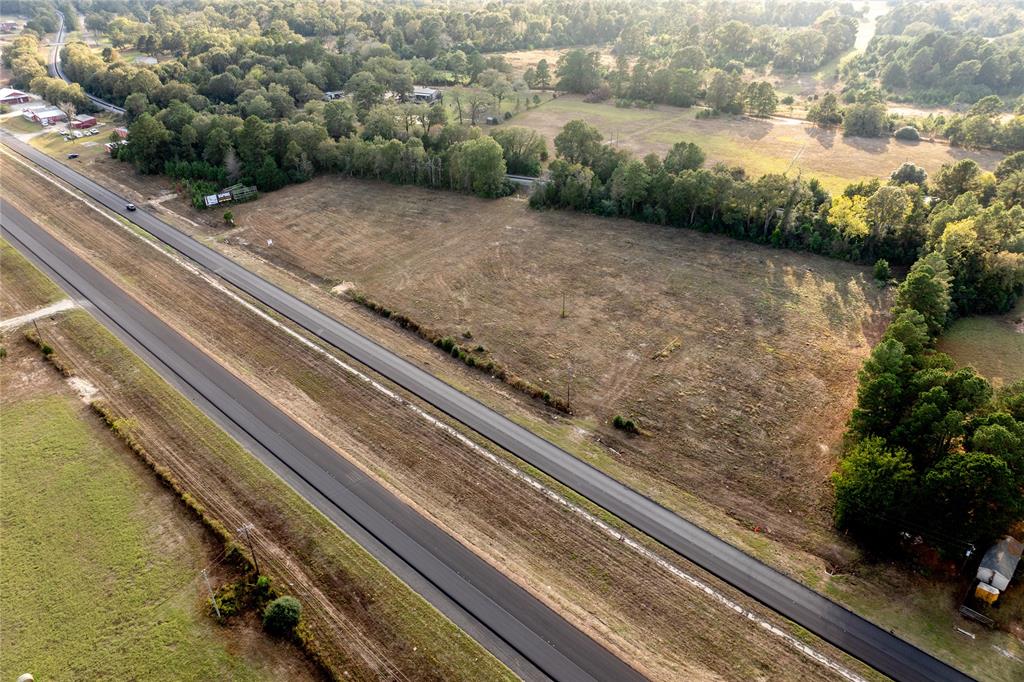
534, 641
837, 625
57, 72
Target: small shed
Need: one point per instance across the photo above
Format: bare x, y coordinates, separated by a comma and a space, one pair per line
8, 26
1000, 562
121, 132
83, 121
425, 95
331, 95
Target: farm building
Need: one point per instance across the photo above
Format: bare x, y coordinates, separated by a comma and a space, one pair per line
8, 26
997, 568
234, 193
121, 132
425, 95
83, 121
12, 96
45, 116
334, 94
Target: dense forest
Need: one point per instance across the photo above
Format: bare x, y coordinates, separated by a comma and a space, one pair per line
239, 96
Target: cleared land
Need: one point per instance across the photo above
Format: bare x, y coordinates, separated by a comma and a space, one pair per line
100, 570
758, 145
639, 609
22, 286
994, 346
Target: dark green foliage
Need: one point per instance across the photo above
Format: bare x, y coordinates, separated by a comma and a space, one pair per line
873, 489
882, 270
933, 453
282, 615
908, 133
623, 424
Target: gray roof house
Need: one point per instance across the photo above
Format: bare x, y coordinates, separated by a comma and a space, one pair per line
1000, 562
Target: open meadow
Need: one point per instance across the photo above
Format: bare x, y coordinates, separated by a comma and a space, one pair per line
758, 145
993, 345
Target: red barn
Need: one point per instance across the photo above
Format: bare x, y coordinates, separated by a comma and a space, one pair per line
83, 121
12, 96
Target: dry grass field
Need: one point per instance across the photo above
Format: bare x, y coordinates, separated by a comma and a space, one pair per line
737, 361
760, 146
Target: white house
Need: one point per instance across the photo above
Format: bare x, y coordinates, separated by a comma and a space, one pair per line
997, 567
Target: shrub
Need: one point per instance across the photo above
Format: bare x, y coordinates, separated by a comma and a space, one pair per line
907, 133
3, 352
623, 424
508, 115
47, 349
229, 217
882, 271
282, 615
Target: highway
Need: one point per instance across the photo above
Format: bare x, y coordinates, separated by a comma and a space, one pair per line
839, 626
529, 637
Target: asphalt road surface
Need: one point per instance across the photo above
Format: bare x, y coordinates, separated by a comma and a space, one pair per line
534, 641
875, 646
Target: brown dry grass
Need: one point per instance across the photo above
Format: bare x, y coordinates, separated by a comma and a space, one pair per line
737, 360
635, 608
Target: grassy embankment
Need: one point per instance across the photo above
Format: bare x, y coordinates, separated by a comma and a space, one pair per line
24, 287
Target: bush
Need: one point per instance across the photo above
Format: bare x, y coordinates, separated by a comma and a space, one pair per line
282, 615
623, 424
882, 271
907, 133
47, 349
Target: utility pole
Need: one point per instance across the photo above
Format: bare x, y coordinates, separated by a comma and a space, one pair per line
563, 305
209, 588
246, 531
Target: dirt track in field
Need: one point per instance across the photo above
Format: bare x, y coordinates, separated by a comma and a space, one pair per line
637, 608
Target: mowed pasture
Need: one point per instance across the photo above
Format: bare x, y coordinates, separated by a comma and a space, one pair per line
758, 145
993, 345
738, 361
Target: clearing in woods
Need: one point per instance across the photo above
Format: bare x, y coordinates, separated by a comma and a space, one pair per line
100, 574
993, 345
759, 146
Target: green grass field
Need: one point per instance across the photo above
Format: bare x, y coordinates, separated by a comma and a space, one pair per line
993, 345
22, 286
89, 555
19, 124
